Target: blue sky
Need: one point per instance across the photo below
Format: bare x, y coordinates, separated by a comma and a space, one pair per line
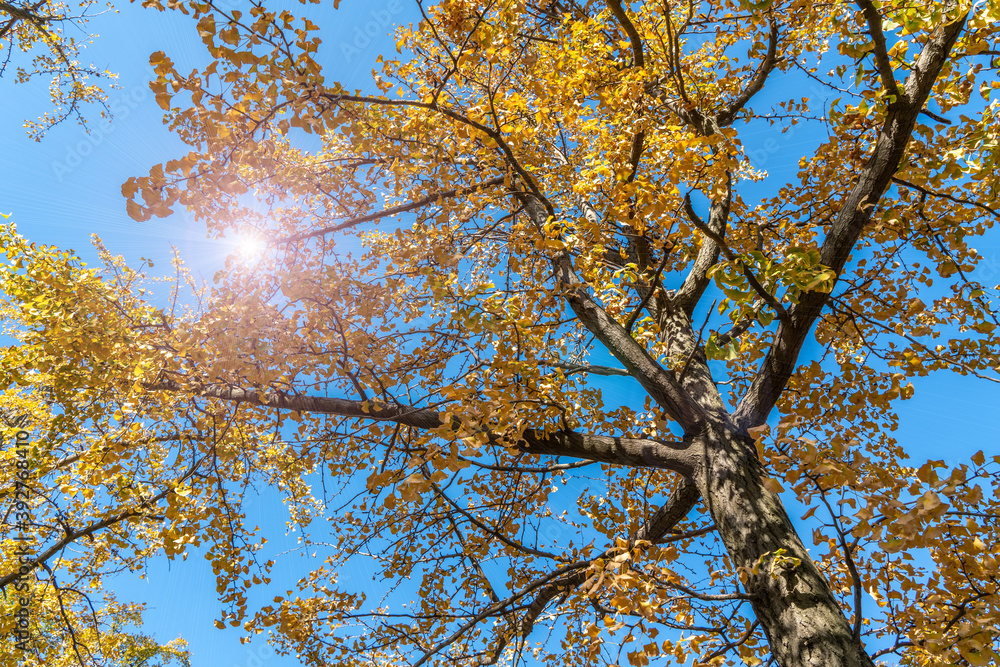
67, 187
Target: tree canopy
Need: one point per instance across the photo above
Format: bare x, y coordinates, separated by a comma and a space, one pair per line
537, 259
54, 33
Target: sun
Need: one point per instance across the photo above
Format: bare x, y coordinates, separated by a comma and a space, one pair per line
249, 246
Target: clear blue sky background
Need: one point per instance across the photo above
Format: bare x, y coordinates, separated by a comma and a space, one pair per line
68, 186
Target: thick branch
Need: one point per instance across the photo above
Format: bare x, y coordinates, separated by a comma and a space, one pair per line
681, 501
756, 83
661, 386
22, 14
633, 35
689, 294
720, 242
855, 213
885, 72
635, 151
605, 449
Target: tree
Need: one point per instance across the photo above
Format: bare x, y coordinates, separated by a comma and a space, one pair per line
60, 538
40, 28
581, 193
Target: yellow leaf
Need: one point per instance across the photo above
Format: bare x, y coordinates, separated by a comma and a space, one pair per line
773, 485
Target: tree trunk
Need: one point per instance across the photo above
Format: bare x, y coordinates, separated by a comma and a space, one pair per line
792, 600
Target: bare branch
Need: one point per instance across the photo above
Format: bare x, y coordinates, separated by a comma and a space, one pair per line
944, 195
756, 83
934, 116
586, 368
680, 502
496, 607
72, 535
493, 134
391, 211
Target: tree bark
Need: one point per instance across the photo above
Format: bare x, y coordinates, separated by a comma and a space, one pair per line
790, 596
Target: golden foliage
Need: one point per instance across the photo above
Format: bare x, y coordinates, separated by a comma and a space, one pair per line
405, 387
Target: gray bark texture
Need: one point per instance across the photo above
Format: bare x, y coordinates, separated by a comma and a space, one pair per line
790, 596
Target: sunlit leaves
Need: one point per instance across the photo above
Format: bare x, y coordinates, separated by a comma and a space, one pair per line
419, 314
53, 35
